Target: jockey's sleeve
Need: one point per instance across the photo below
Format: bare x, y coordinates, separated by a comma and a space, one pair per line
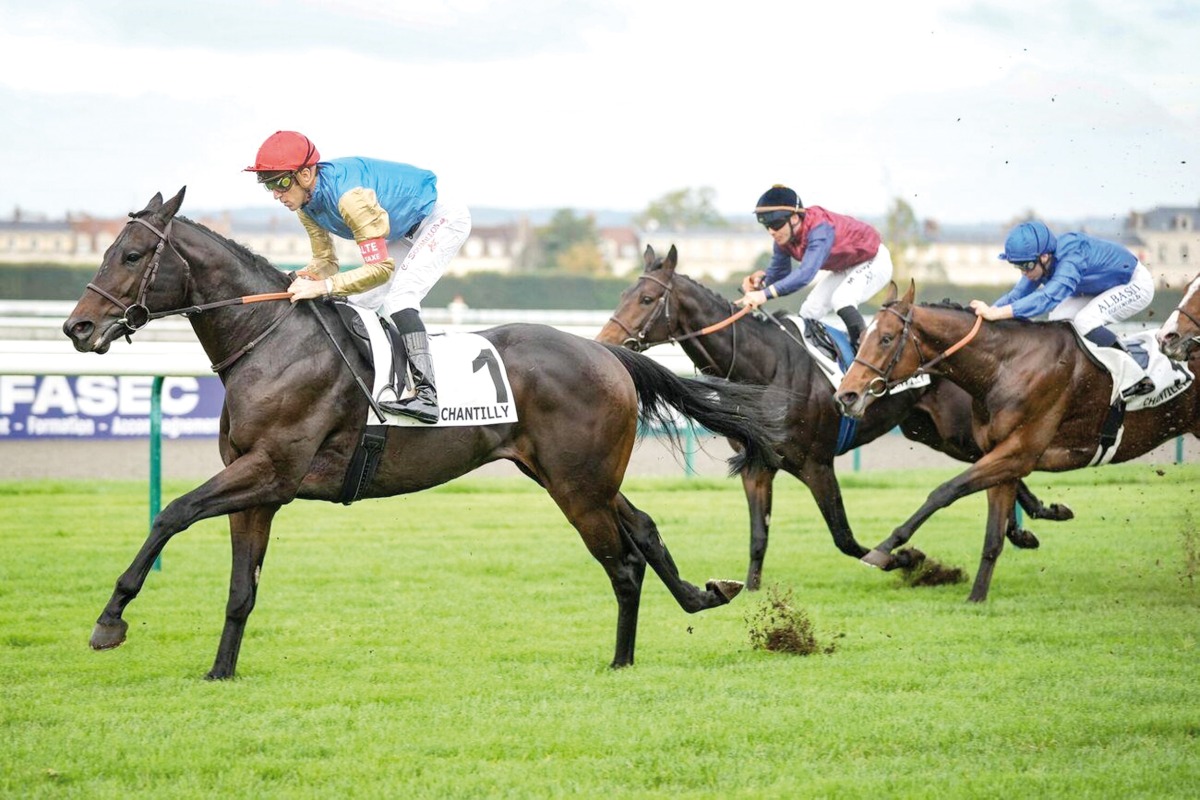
1061, 285
816, 253
324, 260
370, 225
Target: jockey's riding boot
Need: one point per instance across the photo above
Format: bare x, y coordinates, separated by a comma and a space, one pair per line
855, 325
1103, 337
399, 368
423, 405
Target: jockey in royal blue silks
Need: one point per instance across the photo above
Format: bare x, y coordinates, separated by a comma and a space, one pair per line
391, 210
1073, 277
850, 252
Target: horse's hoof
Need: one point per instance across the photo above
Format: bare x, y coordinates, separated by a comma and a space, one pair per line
877, 558
1023, 539
1060, 512
727, 589
106, 637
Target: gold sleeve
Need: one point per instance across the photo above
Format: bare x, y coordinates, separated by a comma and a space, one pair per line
324, 260
366, 219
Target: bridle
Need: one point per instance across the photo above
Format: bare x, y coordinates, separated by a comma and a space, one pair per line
883, 382
137, 315
636, 340
1195, 337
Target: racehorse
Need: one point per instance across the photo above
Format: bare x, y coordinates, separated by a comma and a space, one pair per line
1179, 336
294, 415
665, 305
1040, 402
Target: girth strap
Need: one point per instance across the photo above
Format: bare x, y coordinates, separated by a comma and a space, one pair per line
364, 463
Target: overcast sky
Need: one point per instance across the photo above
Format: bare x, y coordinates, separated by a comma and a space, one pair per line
968, 110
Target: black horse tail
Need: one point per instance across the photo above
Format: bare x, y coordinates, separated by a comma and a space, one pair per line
738, 411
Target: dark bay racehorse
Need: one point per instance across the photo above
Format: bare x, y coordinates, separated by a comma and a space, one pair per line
665, 306
1179, 337
1039, 404
294, 415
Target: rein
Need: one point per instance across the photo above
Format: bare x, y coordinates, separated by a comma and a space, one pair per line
883, 383
636, 340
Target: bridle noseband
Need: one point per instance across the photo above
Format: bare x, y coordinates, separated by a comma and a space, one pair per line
883, 383
136, 315
636, 340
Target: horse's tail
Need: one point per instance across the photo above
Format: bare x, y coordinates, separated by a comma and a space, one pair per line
734, 410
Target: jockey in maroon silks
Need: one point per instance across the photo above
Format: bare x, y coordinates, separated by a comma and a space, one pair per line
849, 251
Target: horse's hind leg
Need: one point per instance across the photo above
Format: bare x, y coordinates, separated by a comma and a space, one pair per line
690, 597
758, 484
249, 532
602, 531
1000, 508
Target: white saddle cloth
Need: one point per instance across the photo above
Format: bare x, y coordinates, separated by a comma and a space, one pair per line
472, 384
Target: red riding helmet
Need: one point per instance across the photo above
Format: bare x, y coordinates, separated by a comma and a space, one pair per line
285, 151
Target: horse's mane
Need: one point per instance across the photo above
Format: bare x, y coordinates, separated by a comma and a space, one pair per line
239, 250
706, 290
948, 304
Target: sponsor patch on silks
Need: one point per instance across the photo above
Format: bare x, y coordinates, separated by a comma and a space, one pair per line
472, 384
373, 250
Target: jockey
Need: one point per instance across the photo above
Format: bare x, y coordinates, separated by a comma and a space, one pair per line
858, 263
392, 211
1075, 277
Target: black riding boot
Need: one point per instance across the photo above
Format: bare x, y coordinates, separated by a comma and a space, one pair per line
414, 344
399, 366
855, 325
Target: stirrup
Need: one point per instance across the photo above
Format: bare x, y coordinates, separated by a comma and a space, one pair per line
413, 407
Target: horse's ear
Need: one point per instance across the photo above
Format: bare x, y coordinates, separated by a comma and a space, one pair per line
892, 291
672, 259
155, 203
911, 293
648, 259
171, 207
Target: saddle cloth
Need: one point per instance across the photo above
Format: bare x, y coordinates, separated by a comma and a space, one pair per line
835, 370
472, 384
1144, 359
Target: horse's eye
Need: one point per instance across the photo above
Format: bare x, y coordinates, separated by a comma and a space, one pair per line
132, 257
886, 339
647, 299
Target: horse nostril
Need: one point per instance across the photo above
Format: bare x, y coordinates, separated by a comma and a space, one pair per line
78, 330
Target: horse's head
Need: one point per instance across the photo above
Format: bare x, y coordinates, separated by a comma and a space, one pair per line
643, 316
140, 269
1179, 337
884, 356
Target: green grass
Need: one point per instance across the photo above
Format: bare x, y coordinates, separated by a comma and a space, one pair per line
455, 643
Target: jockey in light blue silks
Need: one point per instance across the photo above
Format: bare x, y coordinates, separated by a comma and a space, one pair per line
1074, 277
393, 212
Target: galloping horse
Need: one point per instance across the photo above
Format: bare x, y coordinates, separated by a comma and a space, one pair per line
1179, 336
1039, 403
294, 415
666, 306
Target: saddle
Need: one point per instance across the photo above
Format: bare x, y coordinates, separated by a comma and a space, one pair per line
473, 387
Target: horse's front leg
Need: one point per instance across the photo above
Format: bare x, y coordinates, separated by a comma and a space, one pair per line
1034, 507
1005, 463
1000, 508
822, 481
240, 485
758, 484
249, 532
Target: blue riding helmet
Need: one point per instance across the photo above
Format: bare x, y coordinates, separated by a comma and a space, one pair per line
1027, 241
